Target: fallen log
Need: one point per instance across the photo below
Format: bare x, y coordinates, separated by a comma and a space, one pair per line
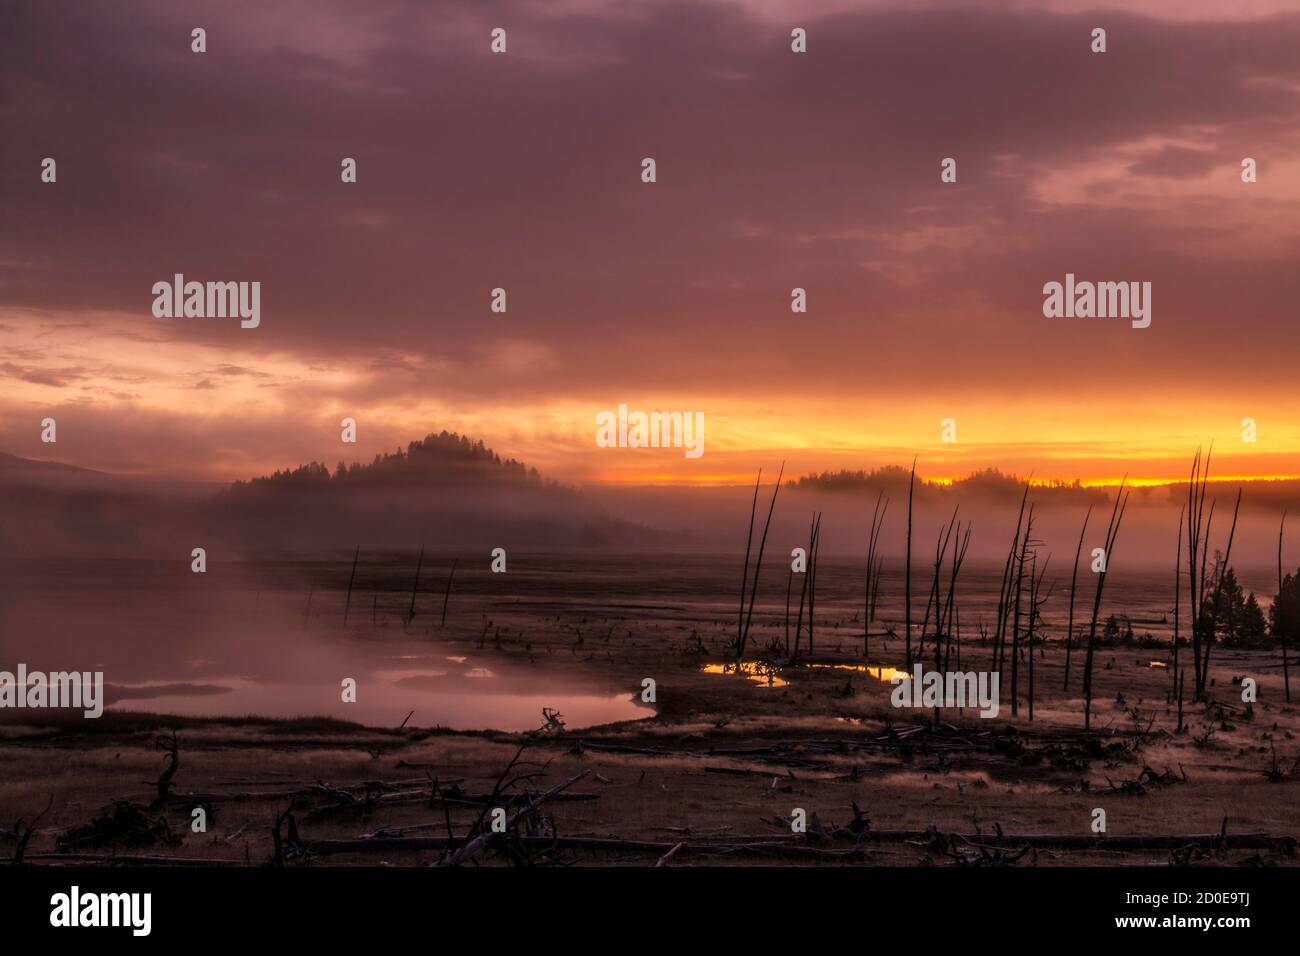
477, 844
765, 848
1231, 841
645, 751
359, 800
129, 860
663, 860
197, 798
739, 771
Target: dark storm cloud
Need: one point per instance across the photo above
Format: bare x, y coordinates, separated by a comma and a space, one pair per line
775, 170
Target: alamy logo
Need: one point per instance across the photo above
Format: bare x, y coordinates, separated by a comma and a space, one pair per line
651, 430
1102, 300
75, 908
56, 689
947, 689
208, 300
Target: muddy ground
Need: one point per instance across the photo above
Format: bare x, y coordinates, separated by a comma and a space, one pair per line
716, 776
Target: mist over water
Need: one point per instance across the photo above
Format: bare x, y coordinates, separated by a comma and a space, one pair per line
223, 644
238, 640
717, 518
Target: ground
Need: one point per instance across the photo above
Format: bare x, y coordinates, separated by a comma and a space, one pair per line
722, 769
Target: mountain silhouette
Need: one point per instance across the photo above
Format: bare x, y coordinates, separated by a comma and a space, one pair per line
445, 491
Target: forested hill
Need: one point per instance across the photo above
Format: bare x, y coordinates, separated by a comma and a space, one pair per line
444, 458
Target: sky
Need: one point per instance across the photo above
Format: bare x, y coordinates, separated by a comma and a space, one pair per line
775, 170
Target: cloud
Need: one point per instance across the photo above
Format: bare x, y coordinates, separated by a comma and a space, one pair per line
37, 376
522, 171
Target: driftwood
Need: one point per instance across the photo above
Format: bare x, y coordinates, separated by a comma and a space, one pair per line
739, 771
128, 859
349, 800
779, 845
23, 831
172, 755
447, 596
478, 843
663, 860
766, 846
945, 737
417, 796
351, 578
1231, 841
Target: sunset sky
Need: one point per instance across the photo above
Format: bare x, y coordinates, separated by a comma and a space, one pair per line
775, 170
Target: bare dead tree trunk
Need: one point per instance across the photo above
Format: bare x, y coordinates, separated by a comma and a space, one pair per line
812, 582
957, 615
803, 591
875, 590
744, 578
1000, 616
415, 585
907, 570
1035, 606
1074, 582
866, 612
949, 610
1178, 560
1277, 613
1112, 532
1193, 542
868, 607
758, 565
789, 582
958, 558
1182, 685
447, 596
1015, 627
1029, 635
932, 602
1195, 510
1203, 583
1004, 594
938, 607
1218, 594
348, 606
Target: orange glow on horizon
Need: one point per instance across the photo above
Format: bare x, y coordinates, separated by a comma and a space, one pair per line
141, 403
632, 478
1161, 482
668, 479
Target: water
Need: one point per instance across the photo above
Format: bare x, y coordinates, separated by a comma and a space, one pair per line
461, 695
769, 675
269, 638
224, 644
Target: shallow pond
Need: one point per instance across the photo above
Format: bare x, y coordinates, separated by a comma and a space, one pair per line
770, 675
440, 690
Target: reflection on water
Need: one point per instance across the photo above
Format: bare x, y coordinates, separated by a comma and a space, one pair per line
409, 677
769, 675
880, 672
465, 698
760, 673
